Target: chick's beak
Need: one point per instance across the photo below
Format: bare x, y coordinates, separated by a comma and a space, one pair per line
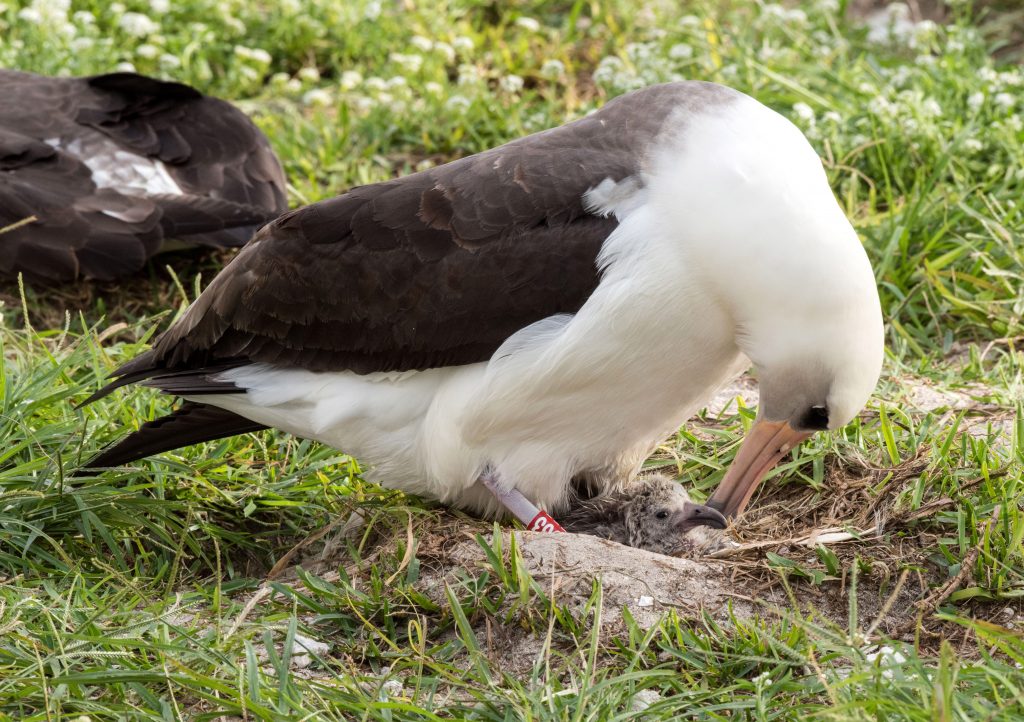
765, 445
694, 515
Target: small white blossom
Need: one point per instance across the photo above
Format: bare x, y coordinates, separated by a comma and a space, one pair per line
832, 116
445, 50
552, 68
931, 108
84, 17
147, 51
468, 74
351, 79
804, 112
308, 74
421, 43
235, 25
125, 67
973, 145
159, 6
397, 81
1004, 100
117, 8
458, 102
30, 15
318, 97
294, 85
433, 88
257, 55
411, 62
377, 85
137, 24
528, 23
680, 51
372, 10
169, 61
80, 44
463, 43
975, 101
689, 21
512, 83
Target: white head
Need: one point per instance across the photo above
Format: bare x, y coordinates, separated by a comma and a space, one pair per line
767, 238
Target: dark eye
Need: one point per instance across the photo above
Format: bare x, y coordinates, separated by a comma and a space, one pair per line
815, 418
661, 515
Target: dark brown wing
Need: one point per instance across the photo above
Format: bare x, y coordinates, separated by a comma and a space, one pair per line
433, 269
230, 179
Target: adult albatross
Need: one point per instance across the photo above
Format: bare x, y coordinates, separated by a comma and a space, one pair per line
541, 314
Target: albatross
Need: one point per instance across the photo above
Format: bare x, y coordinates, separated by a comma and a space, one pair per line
537, 317
115, 168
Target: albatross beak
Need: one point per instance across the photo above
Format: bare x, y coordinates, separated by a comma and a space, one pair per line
700, 515
767, 442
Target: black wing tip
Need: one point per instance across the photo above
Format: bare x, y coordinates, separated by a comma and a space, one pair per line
191, 423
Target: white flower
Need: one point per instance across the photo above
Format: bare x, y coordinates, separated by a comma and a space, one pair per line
317, 97
804, 112
445, 50
147, 51
988, 75
137, 24
925, 60
973, 145
680, 51
293, 86
124, 68
763, 679
351, 79
235, 25
169, 61
1004, 100
159, 6
689, 21
116, 8
433, 88
1015, 123
30, 15
376, 84
468, 74
828, 6
832, 116
931, 108
511, 83
975, 101
528, 23
421, 43
411, 62
278, 80
463, 43
397, 81
308, 74
458, 102
80, 44
552, 68
84, 17
257, 55
372, 10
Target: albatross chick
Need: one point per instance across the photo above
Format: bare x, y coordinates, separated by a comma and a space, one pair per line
653, 513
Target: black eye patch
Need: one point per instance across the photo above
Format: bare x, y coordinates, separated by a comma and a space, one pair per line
815, 418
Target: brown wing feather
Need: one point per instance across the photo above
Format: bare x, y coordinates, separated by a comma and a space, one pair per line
232, 181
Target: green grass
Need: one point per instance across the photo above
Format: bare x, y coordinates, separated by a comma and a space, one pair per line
124, 596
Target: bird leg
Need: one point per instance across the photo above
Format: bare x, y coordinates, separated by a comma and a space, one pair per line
520, 507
